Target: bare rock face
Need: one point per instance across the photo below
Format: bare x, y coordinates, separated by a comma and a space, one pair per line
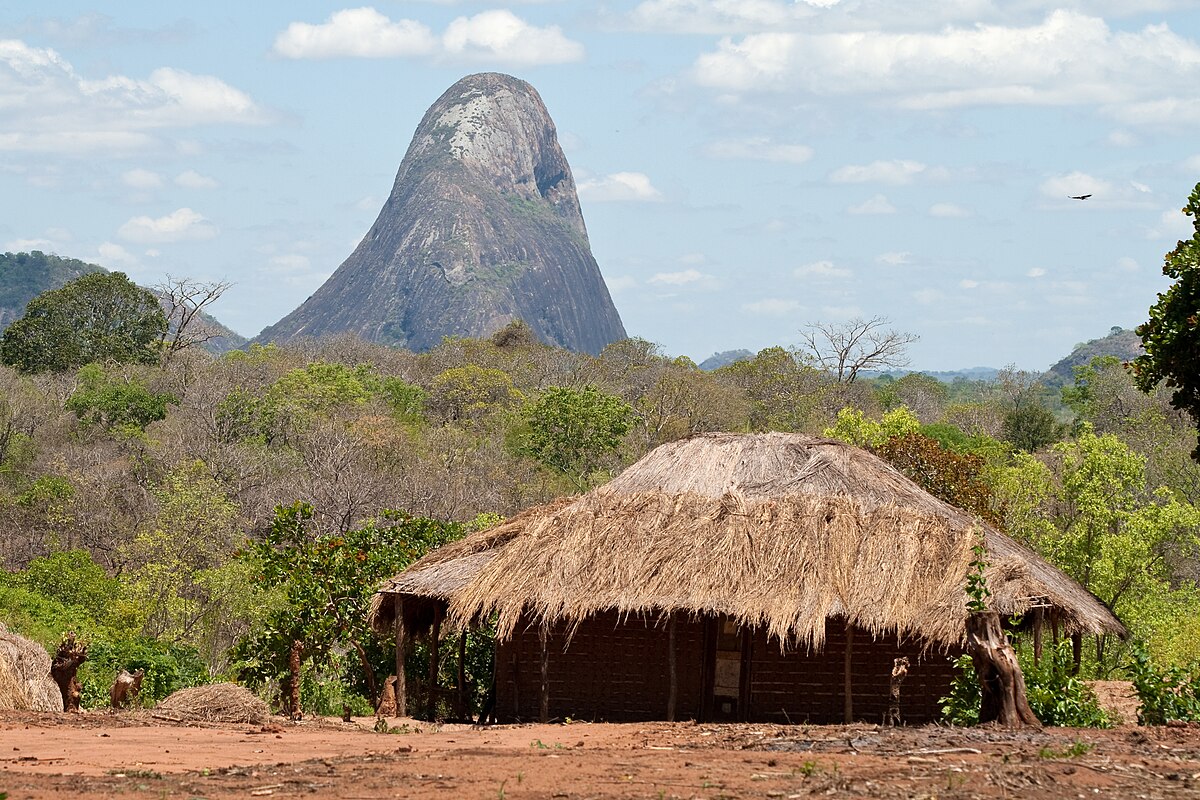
482, 227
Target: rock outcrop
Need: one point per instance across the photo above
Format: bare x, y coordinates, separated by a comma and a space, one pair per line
482, 227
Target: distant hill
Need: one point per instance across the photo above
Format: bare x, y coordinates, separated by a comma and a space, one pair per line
1124, 344
483, 227
23, 276
945, 376
724, 358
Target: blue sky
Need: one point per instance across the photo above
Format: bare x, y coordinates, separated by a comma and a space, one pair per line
745, 166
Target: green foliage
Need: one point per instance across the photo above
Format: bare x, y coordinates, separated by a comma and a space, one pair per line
855, 428
977, 588
327, 582
1171, 337
573, 430
1166, 694
961, 706
959, 479
471, 392
785, 393
116, 400
1057, 696
1030, 428
23, 276
168, 668
96, 317
71, 578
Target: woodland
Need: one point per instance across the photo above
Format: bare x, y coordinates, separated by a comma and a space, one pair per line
195, 515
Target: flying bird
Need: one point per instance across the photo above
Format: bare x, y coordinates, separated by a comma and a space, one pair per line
1079, 196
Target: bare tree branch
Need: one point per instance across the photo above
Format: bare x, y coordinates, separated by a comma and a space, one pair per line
846, 348
183, 301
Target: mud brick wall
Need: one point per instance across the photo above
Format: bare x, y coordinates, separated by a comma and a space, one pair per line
803, 686
610, 670
617, 671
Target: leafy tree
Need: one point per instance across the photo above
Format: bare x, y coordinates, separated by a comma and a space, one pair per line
1171, 337
471, 392
856, 428
959, 479
1030, 428
116, 400
327, 582
572, 431
785, 394
97, 317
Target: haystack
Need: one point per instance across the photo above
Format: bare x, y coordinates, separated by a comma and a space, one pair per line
217, 702
724, 553
25, 682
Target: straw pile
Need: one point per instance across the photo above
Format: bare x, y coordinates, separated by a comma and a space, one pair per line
774, 530
25, 682
217, 702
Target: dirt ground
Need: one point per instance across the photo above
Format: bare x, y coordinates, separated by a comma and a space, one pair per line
132, 754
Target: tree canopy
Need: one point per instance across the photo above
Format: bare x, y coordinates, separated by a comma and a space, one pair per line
1171, 336
97, 317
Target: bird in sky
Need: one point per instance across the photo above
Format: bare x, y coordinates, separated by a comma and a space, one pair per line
1079, 196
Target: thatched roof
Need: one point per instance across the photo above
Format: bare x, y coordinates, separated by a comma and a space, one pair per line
25, 682
778, 530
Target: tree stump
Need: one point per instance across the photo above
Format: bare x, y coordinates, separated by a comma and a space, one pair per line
295, 655
387, 702
1001, 682
67, 658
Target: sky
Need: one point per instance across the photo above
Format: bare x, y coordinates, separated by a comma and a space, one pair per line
745, 167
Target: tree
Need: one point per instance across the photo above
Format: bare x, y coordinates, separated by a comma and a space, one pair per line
114, 400
846, 348
1030, 428
184, 301
571, 430
97, 317
1171, 337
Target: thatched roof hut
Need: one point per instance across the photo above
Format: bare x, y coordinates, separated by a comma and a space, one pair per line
25, 682
775, 533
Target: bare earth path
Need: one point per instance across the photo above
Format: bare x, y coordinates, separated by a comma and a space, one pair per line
133, 755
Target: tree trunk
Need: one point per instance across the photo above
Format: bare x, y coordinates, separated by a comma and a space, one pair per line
369, 671
435, 635
67, 658
1076, 652
460, 678
387, 699
401, 647
294, 659
1001, 682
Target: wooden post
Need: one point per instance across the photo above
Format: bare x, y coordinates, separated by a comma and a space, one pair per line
461, 677
1001, 682
673, 689
544, 706
401, 646
435, 634
1038, 613
847, 670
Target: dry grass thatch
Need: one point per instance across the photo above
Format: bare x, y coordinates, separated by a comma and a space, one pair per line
25, 682
217, 702
775, 530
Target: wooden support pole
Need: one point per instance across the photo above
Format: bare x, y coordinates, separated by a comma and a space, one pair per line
435, 634
847, 672
460, 709
673, 689
401, 647
544, 705
1038, 613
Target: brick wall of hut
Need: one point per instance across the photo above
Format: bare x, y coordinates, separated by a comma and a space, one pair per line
618, 671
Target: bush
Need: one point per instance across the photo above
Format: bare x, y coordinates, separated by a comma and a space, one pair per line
1165, 694
168, 668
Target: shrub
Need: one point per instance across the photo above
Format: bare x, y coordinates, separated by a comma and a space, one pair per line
1165, 694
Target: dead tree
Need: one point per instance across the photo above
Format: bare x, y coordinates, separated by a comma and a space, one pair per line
1001, 682
899, 672
70, 654
126, 688
295, 656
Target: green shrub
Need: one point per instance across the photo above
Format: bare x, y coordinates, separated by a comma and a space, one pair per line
168, 668
1165, 694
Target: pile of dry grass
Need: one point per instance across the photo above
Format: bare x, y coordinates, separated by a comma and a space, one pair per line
217, 702
25, 682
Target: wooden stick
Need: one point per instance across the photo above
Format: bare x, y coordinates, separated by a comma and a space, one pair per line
847, 670
401, 646
544, 706
1037, 635
461, 676
673, 691
435, 634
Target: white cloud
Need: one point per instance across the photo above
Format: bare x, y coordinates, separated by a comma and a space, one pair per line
181, 225
1057, 192
1173, 225
494, 36
26, 245
51, 108
619, 187
111, 253
876, 204
927, 297
896, 172
500, 35
1036, 272
1127, 264
948, 210
772, 307
190, 179
355, 33
288, 264
1122, 138
967, 283
894, 259
141, 179
1068, 58
759, 148
822, 269
681, 278
620, 283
